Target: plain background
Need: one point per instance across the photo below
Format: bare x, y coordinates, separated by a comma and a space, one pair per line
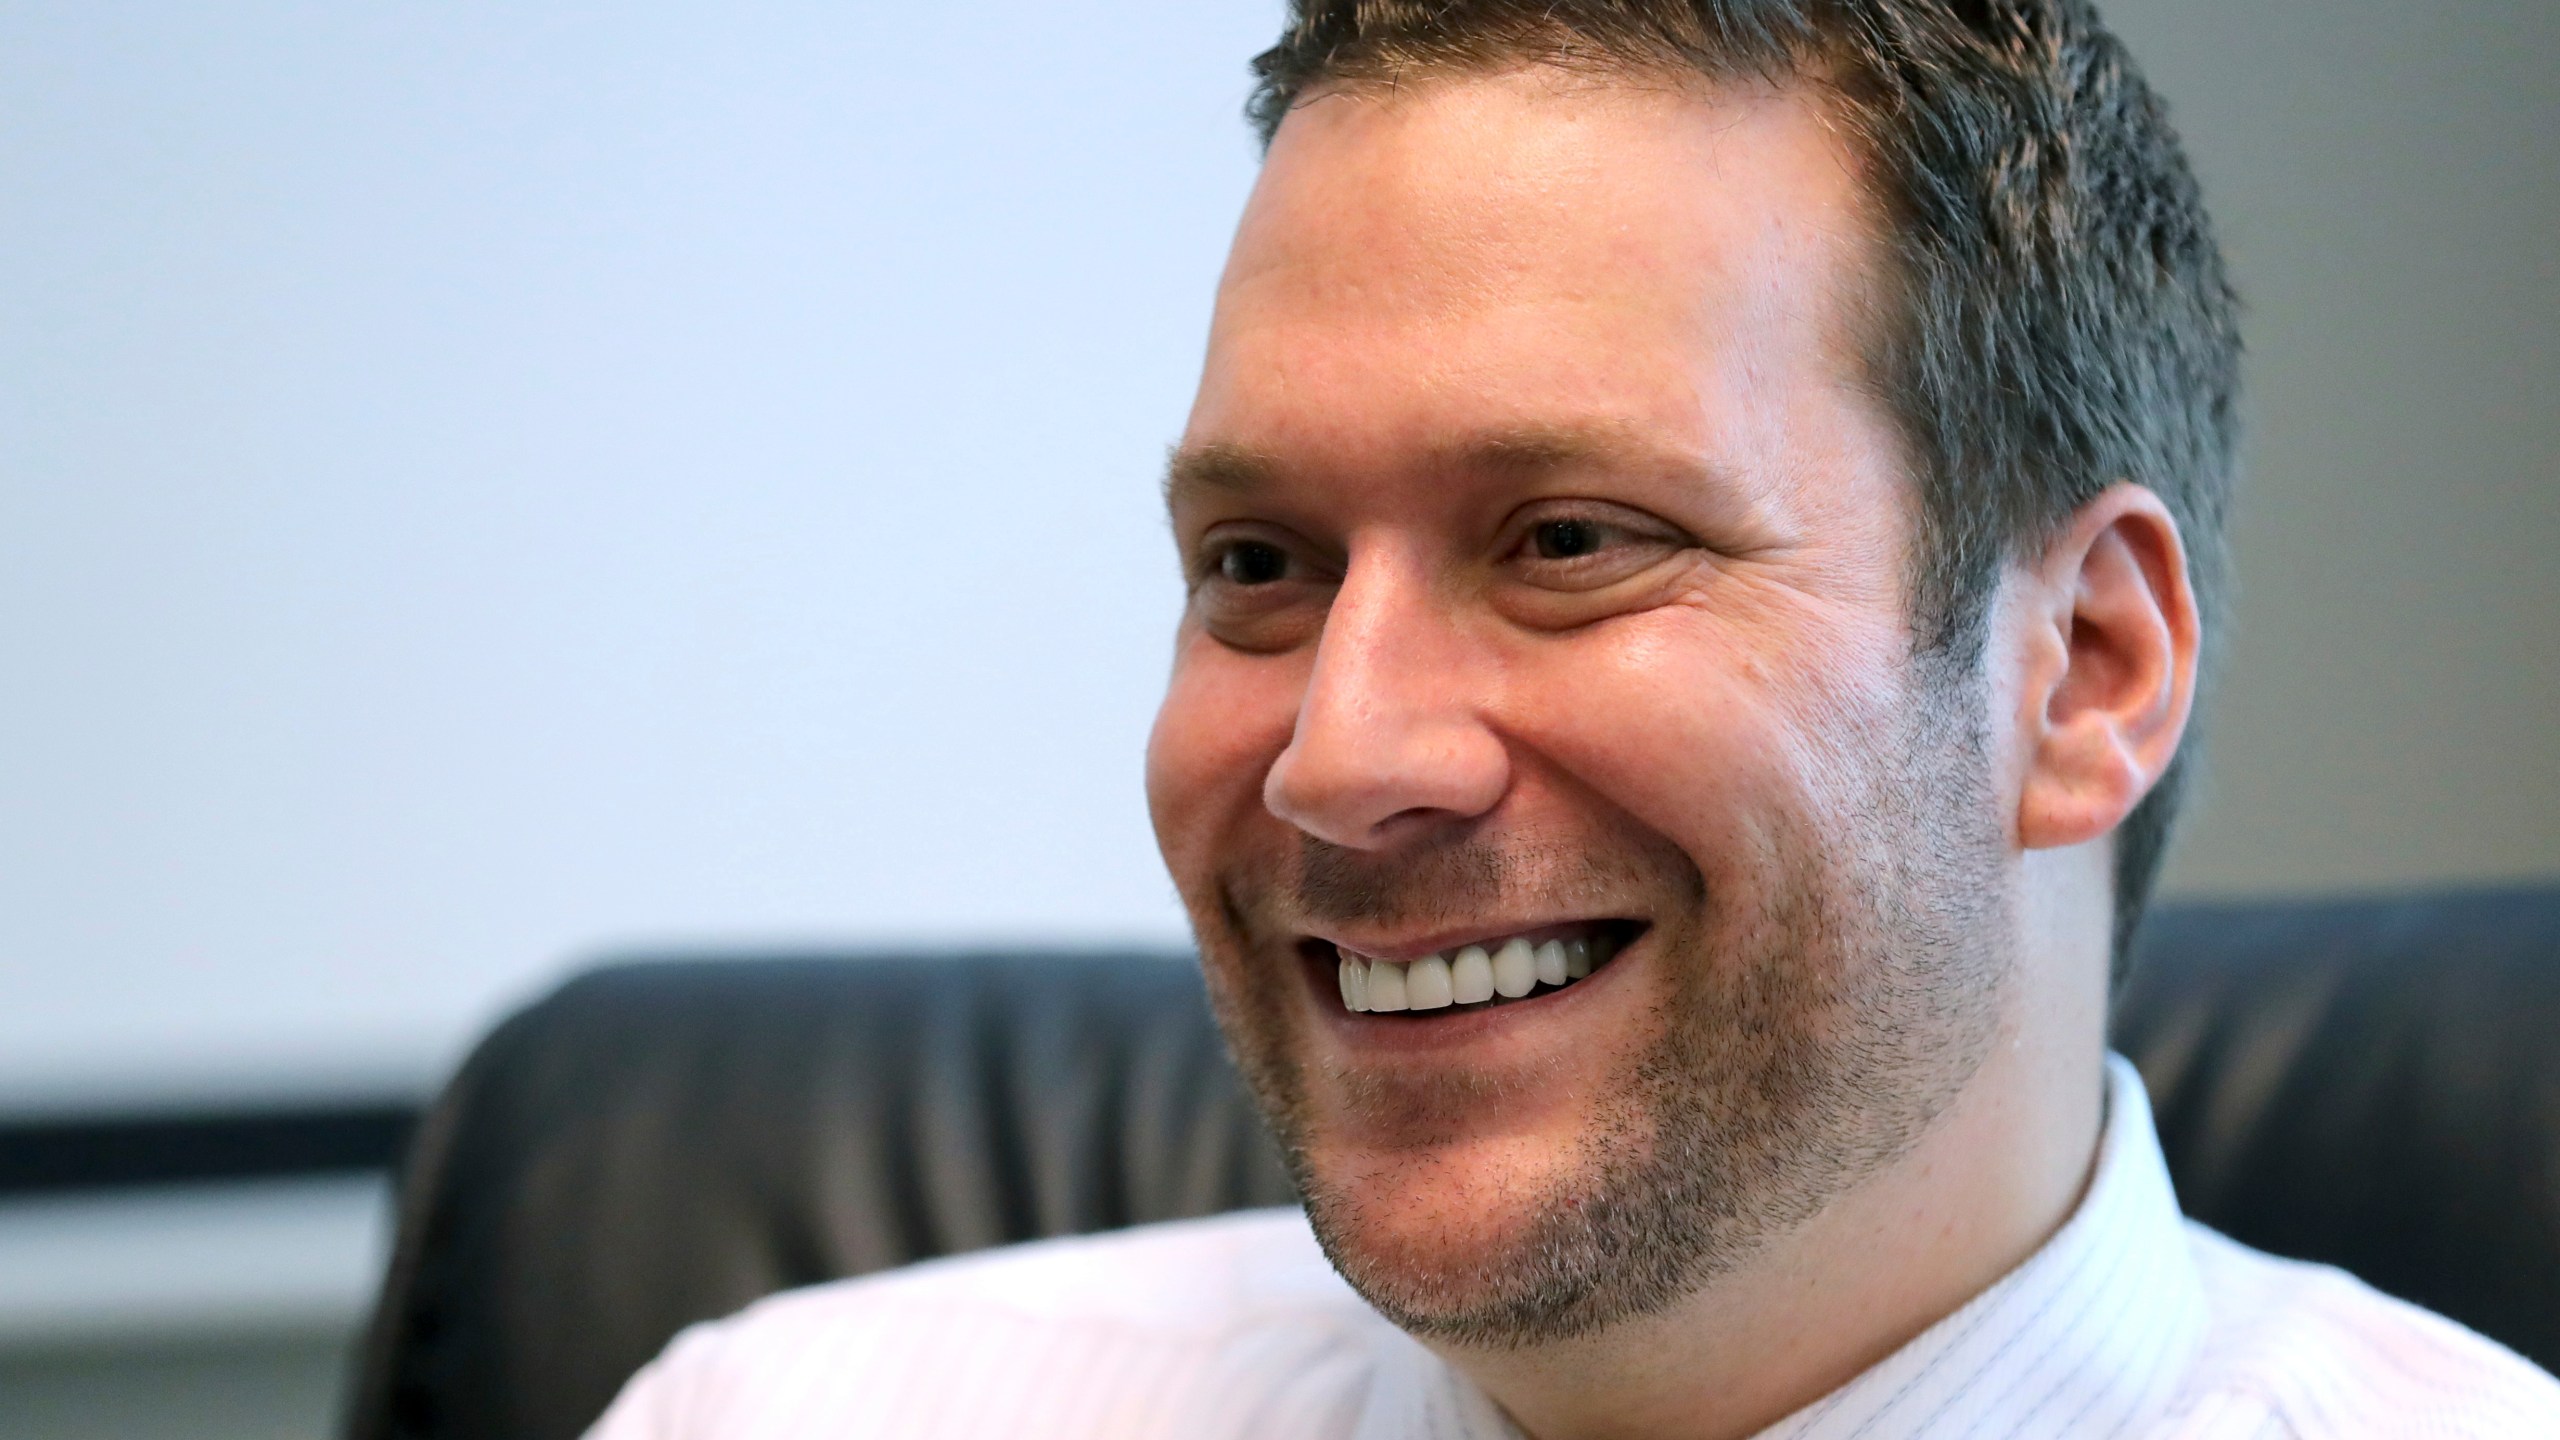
481, 486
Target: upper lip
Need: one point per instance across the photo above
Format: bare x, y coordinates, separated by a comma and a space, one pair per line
1402, 949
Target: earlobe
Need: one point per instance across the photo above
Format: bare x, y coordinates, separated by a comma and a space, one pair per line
2112, 674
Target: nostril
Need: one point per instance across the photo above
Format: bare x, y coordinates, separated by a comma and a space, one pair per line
1370, 788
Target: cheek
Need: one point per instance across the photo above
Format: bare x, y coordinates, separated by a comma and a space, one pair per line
1226, 717
1710, 734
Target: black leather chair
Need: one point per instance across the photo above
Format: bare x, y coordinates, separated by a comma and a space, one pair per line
2371, 1083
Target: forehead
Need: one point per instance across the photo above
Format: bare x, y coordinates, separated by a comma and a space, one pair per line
1531, 251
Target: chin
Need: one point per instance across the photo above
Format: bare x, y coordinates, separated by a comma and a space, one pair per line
1477, 1256
1423, 1222
1481, 1240
1425, 1258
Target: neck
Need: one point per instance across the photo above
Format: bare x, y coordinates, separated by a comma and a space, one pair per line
1995, 1176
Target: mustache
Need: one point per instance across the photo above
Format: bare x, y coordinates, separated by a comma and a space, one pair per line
1450, 879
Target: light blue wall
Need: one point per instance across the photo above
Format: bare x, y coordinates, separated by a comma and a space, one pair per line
478, 488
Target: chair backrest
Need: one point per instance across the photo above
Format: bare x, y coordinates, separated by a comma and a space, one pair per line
2370, 1083
2374, 1084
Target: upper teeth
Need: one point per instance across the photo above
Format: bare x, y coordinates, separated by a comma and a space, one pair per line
1470, 975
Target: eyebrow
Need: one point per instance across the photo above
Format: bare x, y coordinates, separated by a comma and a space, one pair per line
1227, 469
1522, 451
1539, 449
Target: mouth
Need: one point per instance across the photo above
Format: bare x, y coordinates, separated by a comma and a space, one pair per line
1474, 975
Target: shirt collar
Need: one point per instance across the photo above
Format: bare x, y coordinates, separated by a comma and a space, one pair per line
2094, 1332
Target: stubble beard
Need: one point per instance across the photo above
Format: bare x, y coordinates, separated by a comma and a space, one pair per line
1811, 1032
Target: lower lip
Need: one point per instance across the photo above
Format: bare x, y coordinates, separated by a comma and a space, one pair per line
1407, 1031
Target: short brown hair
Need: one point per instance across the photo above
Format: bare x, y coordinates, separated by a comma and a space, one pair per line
2060, 317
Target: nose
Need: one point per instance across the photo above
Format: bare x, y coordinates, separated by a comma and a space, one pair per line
1391, 735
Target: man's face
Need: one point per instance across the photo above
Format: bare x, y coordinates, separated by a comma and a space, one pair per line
1547, 567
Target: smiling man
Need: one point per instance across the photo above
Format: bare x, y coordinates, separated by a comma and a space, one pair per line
1701, 521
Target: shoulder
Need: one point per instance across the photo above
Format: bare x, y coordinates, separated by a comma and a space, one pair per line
2323, 1355
1137, 1320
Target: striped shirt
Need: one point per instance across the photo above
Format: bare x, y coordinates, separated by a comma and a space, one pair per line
2129, 1322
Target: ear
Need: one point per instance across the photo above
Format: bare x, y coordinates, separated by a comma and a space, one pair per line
2110, 672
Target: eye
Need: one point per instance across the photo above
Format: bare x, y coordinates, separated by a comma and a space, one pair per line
1591, 544
1258, 588
1566, 539
1253, 562
1578, 554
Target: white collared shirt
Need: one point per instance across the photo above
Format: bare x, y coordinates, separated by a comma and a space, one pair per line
2130, 1322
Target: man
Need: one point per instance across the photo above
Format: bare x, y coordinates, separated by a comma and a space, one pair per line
1702, 521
